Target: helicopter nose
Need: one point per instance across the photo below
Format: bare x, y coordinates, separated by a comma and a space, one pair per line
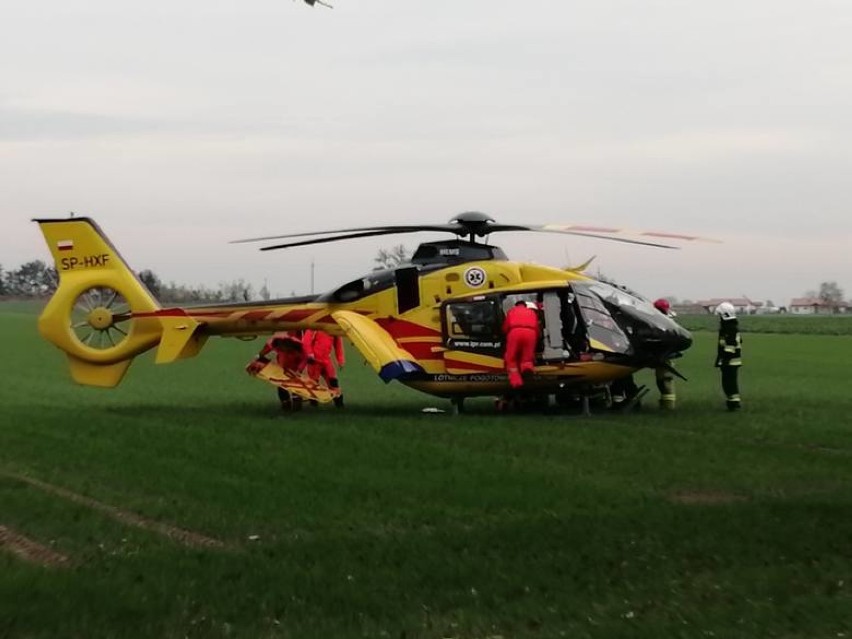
678, 339
657, 342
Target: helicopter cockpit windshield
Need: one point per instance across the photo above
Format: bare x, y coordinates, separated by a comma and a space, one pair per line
625, 300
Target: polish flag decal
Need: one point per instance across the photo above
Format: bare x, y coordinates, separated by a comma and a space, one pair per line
65, 245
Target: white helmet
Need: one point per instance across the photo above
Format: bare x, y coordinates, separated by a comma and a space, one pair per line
726, 310
531, 305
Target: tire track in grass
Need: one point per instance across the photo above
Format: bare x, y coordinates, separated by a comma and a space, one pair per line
180, 535
29, 550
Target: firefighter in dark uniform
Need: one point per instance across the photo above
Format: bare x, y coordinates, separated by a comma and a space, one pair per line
663, 374
729, 354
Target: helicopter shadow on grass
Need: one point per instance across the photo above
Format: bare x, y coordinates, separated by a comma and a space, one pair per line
436, 408
271, 410
427, 408
218, 409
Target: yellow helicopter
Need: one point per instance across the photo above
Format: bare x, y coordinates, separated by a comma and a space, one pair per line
433, 324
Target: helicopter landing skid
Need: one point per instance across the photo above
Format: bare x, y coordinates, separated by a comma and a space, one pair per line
630, 404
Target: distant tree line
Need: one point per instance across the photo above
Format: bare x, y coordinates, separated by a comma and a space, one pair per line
33, 279
392, 257
235, 291
36, 279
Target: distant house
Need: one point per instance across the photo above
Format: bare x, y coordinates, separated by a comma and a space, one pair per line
742, 305
769, 308
816, 306
692, 308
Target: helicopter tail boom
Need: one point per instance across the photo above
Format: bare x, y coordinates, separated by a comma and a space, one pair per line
89, 317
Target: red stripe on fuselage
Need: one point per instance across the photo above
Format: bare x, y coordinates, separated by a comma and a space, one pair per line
297, 315
470, 366
182, 312
256, 316
399, 328
422, 350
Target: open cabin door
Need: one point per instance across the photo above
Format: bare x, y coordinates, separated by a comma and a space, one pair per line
563, 333
473, 330
554, 346
473, 336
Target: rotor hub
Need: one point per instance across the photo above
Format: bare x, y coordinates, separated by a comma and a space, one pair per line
472, 217
100, 318
473, 224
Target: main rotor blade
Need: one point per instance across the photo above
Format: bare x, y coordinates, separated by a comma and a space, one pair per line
410, 228
479, 229
350, 236
566, 230
586, 230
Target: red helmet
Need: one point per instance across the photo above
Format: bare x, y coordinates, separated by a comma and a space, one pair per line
662, 305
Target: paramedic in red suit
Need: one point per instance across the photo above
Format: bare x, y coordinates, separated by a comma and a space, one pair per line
289, 355
287, 348
521, 329
318, 346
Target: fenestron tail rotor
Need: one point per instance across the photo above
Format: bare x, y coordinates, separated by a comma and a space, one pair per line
474, 224
100, 318
101, 315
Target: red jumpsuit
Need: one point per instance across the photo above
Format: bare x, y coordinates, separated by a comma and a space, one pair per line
288, 351
521, 330
318, 346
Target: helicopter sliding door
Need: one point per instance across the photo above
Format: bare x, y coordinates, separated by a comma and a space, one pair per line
553, 345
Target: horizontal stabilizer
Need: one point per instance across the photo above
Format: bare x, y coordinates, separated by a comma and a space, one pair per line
181, 338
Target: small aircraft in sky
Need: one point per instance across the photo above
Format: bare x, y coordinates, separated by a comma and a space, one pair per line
433, 324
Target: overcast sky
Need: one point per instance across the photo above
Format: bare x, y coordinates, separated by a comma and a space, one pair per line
181, 125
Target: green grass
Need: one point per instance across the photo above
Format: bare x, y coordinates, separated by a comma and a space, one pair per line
16, 307
381, 521
783, 324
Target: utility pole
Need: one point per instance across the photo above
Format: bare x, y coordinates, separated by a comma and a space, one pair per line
312, 276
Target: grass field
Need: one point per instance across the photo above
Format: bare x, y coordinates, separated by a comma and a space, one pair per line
783, 324
181, 504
